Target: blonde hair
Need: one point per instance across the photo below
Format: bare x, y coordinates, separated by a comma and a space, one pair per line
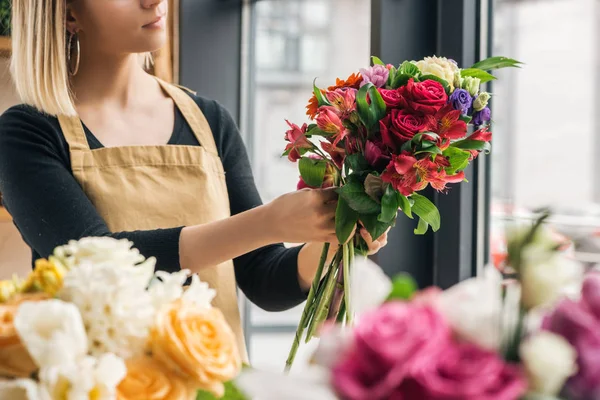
39, 55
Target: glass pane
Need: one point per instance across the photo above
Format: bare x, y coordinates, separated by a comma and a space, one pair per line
546, 116
317, 43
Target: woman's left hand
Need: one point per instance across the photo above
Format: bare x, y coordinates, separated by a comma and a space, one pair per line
374, 245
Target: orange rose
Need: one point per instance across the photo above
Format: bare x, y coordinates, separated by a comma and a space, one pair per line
15, 361
147, 379
197, 343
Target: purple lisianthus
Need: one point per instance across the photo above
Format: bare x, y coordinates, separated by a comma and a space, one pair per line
461, 100
480, 117
377, 75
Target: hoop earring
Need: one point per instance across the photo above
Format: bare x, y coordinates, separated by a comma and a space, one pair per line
73, 70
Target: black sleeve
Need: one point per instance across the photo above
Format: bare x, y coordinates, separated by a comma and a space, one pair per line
47, 204
267, 276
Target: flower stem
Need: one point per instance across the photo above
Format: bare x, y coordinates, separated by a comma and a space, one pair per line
348, 250
323, 306
342, 312
307, 307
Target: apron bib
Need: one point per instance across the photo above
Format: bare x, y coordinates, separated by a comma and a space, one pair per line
157, 187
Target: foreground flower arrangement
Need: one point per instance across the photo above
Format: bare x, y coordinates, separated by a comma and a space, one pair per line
533, 336
95, 321
388, 133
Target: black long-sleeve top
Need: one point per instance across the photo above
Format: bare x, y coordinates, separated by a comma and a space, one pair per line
49, 207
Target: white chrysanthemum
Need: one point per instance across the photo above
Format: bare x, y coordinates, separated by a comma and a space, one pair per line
97, 250
116, 308
52, 331
20, 389
89, 378
167, 287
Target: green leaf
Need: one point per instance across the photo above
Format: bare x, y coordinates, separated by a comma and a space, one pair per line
389, 205
478, 73
316, 131
421, 228
312, 171
371, 113
356, 197
426, 210
409, 68
357, 162
400, 80
470, 144
466, 118
458, 159
377, 61
403, 287
231, 393
444, 82
404, 204
345, 220
497, 63
374, 187
374, 226
322, 100
429, 147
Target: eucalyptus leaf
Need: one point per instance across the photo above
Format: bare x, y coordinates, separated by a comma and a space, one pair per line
426, 210
312, 171
497, 63
477, 73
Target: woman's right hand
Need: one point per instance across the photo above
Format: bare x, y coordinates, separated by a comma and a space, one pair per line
304, 216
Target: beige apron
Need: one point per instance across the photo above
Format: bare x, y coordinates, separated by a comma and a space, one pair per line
153, 187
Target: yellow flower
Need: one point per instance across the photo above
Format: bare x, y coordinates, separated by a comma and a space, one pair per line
46, 277
9, 288
197, 343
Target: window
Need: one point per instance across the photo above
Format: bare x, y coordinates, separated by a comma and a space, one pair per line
547, 115
292, 42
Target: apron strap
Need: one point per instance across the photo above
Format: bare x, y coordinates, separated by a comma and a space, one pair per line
193, 115
72, 129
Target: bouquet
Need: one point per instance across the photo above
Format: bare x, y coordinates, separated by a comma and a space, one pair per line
388, 133
533, 336
94, 321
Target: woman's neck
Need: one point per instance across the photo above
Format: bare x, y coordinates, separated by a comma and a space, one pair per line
117, 81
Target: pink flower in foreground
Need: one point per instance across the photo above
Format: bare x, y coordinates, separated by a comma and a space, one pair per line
463, 371
343, 101
389, 344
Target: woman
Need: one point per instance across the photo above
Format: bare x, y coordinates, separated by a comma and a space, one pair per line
101, 148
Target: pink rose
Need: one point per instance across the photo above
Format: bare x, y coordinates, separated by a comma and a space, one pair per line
389, 343
463, 371
579, 323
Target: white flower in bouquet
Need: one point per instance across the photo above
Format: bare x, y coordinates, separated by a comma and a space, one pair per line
20, 389
369, 285
545, 278
167, 287
99, 250
549, 361
89, 378
52, 331
474, 309
117, 309
440, 67
313, 383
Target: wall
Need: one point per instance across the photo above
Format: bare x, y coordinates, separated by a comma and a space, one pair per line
15, 256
